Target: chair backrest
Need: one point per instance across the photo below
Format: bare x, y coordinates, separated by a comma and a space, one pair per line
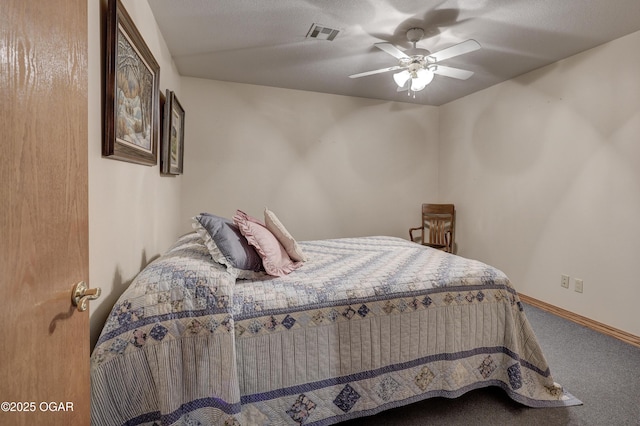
439, 226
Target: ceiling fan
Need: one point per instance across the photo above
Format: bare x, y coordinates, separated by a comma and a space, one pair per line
417, 67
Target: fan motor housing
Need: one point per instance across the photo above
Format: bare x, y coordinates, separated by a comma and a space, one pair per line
416, 51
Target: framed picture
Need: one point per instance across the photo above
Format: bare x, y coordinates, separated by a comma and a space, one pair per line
172, 149
132, 104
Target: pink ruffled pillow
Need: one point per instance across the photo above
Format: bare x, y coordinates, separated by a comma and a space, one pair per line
275, 259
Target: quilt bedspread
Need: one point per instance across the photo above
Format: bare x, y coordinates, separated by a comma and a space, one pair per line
365, 325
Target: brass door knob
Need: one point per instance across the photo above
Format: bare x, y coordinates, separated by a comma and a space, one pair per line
81, 294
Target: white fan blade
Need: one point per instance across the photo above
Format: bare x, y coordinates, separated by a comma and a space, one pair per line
363, 74
452, 72
391, 50
455, 50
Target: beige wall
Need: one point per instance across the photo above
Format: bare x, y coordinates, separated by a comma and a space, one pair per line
133, 211
545, 172
328, 166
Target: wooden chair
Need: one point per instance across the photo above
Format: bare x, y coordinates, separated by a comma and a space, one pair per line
438, 228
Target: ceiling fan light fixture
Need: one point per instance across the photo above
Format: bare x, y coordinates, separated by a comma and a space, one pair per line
401, 78
420, 78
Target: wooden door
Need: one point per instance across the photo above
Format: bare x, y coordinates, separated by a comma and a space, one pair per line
44, 341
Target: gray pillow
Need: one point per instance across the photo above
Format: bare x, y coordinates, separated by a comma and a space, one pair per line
226, 244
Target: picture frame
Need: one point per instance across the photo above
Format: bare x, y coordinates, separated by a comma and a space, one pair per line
172, 148
132, 104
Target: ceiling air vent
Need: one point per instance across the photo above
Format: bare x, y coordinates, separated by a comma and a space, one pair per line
321, 32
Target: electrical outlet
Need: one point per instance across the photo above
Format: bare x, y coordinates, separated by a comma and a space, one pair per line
564, 281
579, 284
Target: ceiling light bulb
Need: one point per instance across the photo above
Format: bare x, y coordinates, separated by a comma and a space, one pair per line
417, 84
425, 75
401, 78
421, 79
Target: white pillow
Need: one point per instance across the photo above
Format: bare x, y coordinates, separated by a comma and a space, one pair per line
284, 237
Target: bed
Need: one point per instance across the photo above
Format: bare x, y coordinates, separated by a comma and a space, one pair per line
363, 325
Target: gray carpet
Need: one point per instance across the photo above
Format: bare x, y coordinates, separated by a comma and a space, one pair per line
603, 372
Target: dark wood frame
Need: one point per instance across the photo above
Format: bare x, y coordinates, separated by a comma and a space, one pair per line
438, 228
119, 23
172, 107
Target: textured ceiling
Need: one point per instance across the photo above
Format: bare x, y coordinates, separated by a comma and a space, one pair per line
264, 42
